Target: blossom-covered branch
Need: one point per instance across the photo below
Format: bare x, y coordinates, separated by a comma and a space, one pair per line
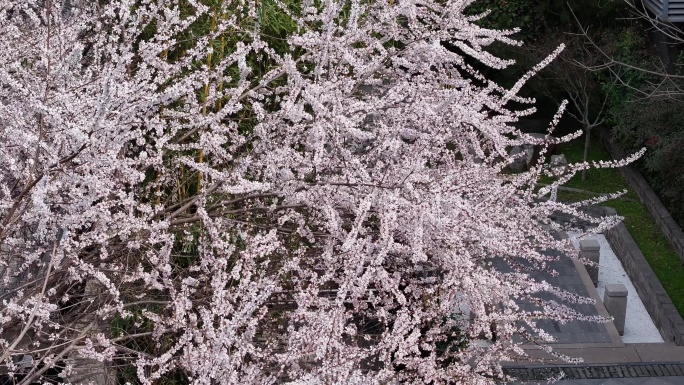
264, 192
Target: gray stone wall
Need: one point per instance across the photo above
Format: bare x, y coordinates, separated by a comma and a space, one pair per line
650, 290
648, 197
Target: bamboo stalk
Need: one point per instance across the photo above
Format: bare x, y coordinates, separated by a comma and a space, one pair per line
206, 94
165, 57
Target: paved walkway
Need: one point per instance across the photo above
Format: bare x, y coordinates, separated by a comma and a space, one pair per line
595, 343
572, 277
607, 359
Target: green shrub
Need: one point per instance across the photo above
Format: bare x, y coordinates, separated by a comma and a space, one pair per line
643, 115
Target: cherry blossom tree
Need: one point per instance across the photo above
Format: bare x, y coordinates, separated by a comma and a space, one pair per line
188, 195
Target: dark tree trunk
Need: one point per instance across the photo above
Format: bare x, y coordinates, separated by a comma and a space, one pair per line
587, 143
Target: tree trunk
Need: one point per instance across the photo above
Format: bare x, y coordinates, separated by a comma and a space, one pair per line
587, 143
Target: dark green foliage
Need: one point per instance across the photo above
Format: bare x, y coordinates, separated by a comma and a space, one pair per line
536, 18
641, 116
657, 125
511, 14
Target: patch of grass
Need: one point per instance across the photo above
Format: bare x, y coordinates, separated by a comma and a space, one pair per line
646, 233
656, 248
598, 180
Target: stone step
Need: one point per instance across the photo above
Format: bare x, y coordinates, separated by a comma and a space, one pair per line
577, 372
656, 352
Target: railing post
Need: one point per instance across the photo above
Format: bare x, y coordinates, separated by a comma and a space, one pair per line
590, 249
615, 300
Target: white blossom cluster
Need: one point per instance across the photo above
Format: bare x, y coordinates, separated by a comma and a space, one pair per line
254, 215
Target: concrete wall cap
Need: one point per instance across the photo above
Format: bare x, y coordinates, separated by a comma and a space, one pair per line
589, 245
616, 290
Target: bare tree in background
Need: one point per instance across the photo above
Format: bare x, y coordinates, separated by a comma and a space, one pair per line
661, 80
570, 76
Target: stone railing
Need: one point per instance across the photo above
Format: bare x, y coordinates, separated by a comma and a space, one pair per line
658, 304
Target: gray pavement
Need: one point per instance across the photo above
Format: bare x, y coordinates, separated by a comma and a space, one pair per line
607, 360
567, 278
